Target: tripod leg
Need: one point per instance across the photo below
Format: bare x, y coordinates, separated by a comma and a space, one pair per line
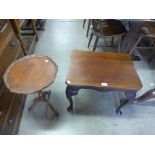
48, 93
51, 107
34, 103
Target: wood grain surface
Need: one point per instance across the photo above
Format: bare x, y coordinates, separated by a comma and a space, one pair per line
102, 69
30, 74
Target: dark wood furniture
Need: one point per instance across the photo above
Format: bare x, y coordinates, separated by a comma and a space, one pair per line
37, 72
11, 104
102, 71
39, 24
107, 28
141, 35
22, 35
146, 30
146, 96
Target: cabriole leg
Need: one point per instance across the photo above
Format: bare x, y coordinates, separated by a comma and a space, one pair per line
70, 91
130, 99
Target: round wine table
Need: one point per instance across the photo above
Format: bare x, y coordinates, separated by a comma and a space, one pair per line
31, 74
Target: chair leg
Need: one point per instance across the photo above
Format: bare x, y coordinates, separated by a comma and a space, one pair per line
135, 44
105, 41
89, 22
90, 39
16, 28
112, 41
95, 44
34, 29
119, 43
84, 21
152, 43
151, 57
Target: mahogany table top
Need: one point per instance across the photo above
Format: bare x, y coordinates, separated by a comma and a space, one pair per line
102, 69
30, 74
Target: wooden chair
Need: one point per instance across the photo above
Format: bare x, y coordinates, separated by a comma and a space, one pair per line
146, 30
16, 25
107, 28
38, 24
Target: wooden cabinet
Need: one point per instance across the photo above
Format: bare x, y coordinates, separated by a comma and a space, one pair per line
11, 104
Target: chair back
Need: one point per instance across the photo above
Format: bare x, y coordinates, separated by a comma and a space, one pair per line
108, 27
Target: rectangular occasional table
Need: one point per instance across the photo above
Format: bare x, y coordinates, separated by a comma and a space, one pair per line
102, 71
